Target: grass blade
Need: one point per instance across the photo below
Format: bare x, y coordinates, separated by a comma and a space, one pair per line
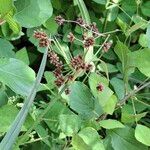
15, 128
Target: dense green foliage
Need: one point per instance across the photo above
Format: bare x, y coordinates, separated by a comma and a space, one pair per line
93, 90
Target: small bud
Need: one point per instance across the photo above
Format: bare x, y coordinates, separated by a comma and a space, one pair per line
71, 37
59, 20
107, 46
80, 21
100, 87
67, 91
94, 29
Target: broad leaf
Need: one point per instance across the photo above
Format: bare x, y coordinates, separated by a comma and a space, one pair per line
111, 124
29, 18
6, 49
52, 116
123, 139
110, 105
91, 139
145, 8
81, 100
23, 56
5, 7
11, 112
140, 59
100, 1
102, 96
122, 50
128, 116
16, 75
118, 86
142, 134
69, 124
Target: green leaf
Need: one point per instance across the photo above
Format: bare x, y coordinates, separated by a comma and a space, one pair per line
103, 96
63, 49
69, 124
110, 105
29, 18
15, 128
6, 6
51, 25
143, 40
129, 6
140, 59
118, 86
52, 116
142, 134
91, 138
78, 143
111, 124
112, 13
3, 97
107, 68
6, 121
122, 50
135, 27
50, 78
100, 1
81, 100
16, 75
14, 26
6, 49
42, 134
128, 115
23, 56
148, 35
123, 139
145, 8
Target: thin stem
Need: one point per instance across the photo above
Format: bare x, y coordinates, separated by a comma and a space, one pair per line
102, 45
134, 110
132, 93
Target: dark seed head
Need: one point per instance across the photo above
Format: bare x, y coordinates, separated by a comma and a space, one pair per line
39, 34
59, 81
44, 42
100, 87
88, 42
78, 62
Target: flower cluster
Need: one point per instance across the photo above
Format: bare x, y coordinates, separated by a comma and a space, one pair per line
54, 59
42, 37
88, 42
78, 63
79, 21
107, 46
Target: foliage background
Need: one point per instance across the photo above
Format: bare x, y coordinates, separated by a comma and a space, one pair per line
116, 118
